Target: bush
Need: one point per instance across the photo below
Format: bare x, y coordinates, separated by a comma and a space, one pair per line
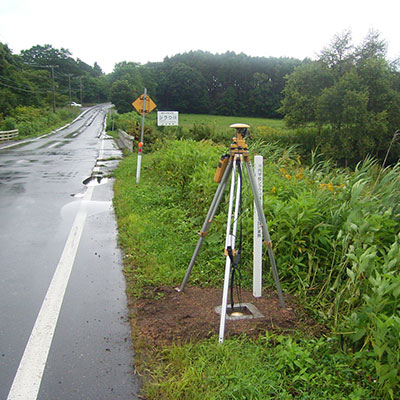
27, 113
27, 129
32, 121
9, 124
128, 122
305, 139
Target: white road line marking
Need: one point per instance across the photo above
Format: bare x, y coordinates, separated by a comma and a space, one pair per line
101, 152
53, 145
30, 371
29, 375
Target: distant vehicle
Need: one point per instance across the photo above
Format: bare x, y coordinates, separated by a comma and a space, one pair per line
73, 104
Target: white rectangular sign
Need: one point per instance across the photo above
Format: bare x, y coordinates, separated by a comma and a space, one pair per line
258, 234
167, 118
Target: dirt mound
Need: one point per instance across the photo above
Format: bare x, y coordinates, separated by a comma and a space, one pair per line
167, 316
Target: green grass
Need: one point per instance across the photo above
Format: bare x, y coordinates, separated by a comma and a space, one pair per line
271, 367
156, 229
337, 248
223, 122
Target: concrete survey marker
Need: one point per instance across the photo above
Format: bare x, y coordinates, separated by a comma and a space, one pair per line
241, 311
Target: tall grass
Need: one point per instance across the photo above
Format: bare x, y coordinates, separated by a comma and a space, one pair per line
335, 235
272, 367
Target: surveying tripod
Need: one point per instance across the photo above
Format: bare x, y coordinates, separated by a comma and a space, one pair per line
230, 164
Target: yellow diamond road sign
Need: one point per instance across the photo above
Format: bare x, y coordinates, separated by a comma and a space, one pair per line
138, 104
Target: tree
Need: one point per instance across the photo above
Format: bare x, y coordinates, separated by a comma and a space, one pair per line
339, 55
231, 81
351, 94
19, 85
122, 94
302, 91
94, 89
185, 90
69, 73
126, 85
371, 47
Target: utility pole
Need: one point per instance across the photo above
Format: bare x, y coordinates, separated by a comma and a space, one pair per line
80, 86
69, 87
53, 87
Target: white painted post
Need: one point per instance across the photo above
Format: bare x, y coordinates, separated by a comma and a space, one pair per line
257, 232
229, 241
139, 157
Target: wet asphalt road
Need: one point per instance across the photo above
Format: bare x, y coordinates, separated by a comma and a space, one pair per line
41, 194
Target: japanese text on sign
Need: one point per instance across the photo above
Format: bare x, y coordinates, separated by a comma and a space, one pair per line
139, 104
167, 118
259, 180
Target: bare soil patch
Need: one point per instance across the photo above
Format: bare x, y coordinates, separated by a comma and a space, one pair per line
166, 316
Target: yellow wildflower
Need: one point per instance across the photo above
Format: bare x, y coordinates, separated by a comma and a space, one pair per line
300, 174
329, 186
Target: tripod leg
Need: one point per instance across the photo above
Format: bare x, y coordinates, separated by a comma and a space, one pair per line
264, 226
229, 241
207, 222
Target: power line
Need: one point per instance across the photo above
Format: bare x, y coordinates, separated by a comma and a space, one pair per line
24, 90
53, 85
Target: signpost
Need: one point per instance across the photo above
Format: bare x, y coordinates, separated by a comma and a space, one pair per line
143, 104
167, 118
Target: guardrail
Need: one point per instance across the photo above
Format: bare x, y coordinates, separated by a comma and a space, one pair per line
8, 135
125, 140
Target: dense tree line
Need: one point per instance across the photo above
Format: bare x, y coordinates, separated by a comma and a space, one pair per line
232, 84
26, 79
201, 82
194, 82
350, 95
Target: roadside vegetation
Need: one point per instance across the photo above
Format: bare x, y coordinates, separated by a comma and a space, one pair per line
336, 243
31, 121
331, 198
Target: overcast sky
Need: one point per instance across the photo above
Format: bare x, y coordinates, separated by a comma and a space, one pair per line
142, 31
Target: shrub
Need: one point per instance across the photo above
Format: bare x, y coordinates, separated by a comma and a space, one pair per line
27, 129
33, 121
128, 122
9, 124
